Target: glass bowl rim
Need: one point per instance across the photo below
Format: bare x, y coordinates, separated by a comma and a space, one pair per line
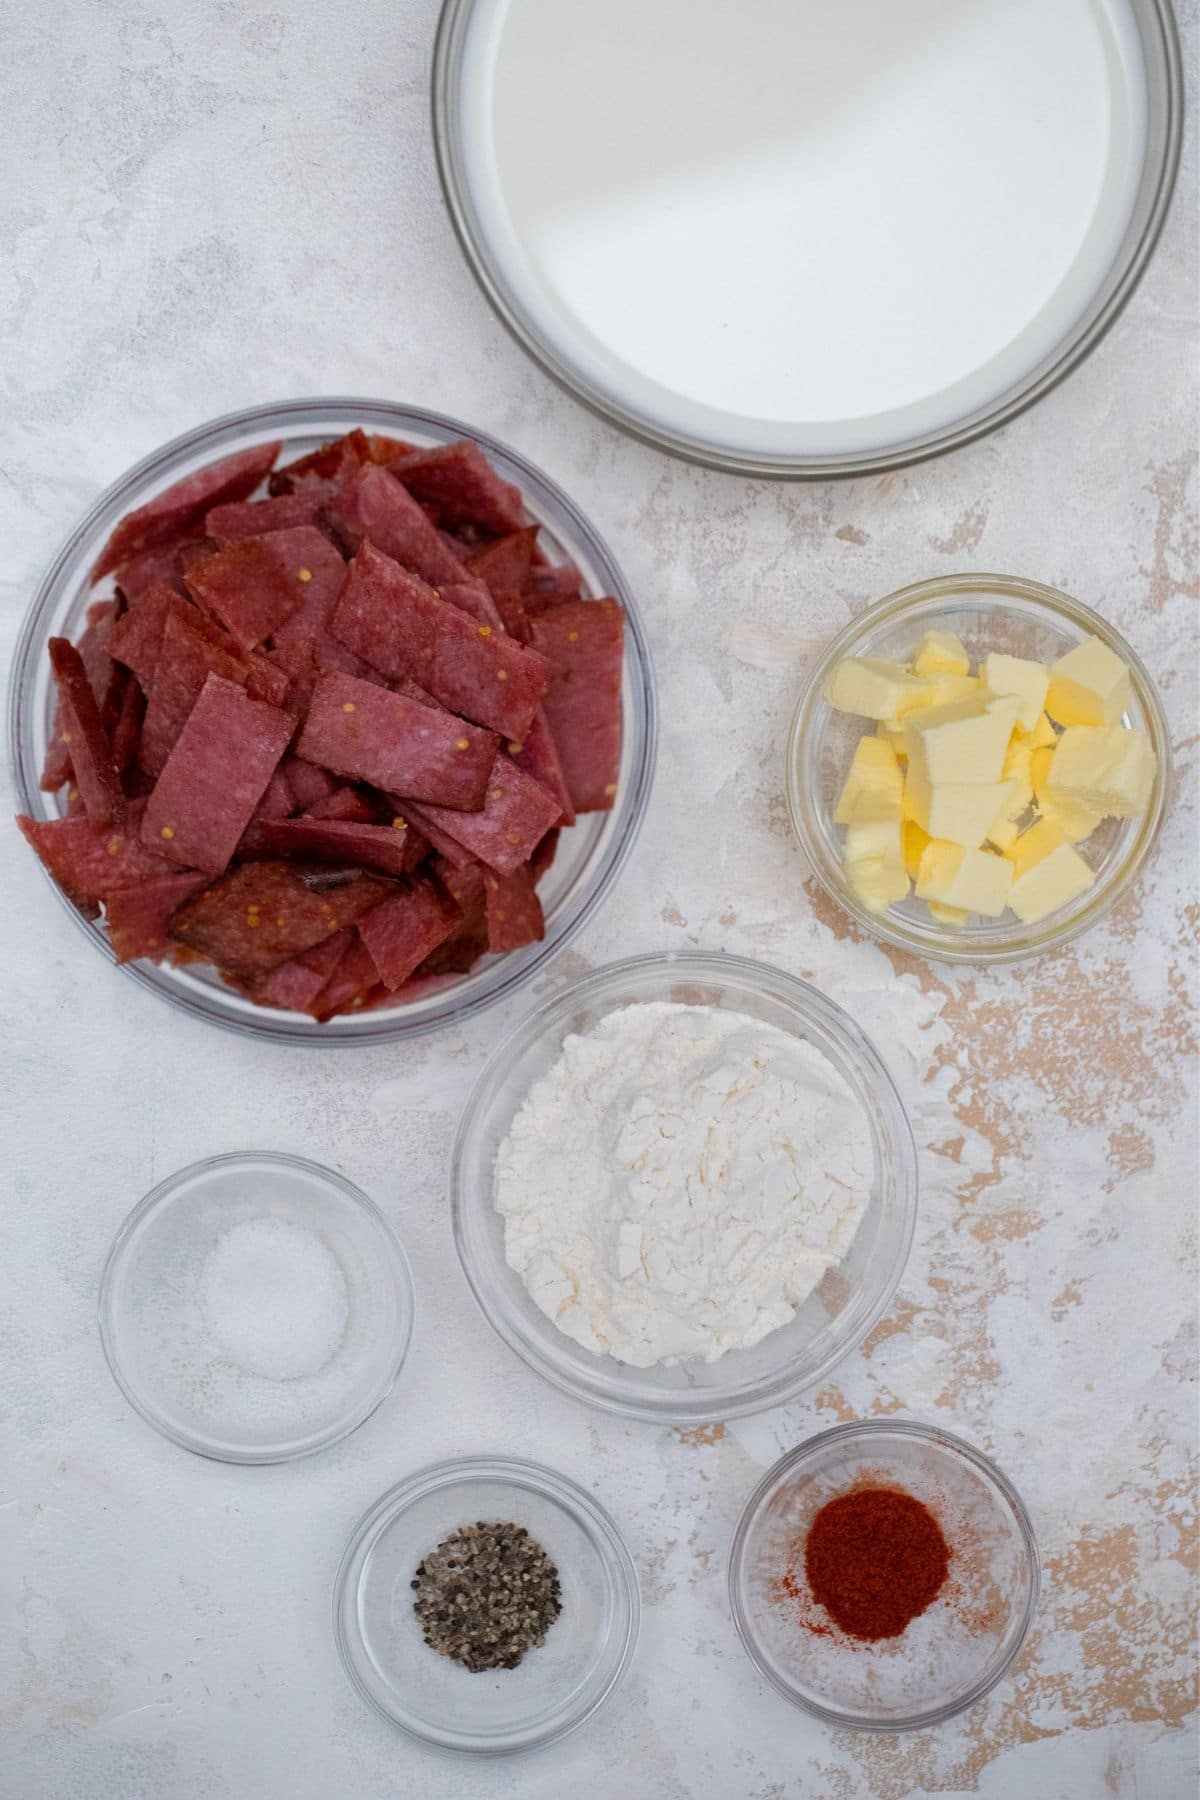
902, 1194
867, 1430
399, 1267
1164, 72
946, 946
314, 412
585, 1511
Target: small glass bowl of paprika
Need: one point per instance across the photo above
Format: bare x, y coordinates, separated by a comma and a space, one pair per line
884, 1575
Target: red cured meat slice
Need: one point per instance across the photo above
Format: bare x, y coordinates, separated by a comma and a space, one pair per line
377, 507
456, 855
171, 512
352, 983
372, 734
583, 641
82, 732
514, 912
345, 803
468, 941
538, 757
185, 662
308, 783
474, 598
126, 733
295, 984
343, 841
162, 563
263, 913
513, 617
394, 621
137, 636
215, 776
506, 564
95, 649
89, 864
323, 472
387, 449
278, 800
266, 680
248, 588
251, 518
516, 815
406, 928
137, 917
460, 481
319, 567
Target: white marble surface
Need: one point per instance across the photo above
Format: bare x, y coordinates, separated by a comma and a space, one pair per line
208, 205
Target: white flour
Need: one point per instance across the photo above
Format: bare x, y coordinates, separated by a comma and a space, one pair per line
680, 1180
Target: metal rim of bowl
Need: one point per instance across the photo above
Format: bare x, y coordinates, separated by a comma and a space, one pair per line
803, 994
948, 588
1164, 75
401, 1270
994, 1477
274, 1027
583, 1508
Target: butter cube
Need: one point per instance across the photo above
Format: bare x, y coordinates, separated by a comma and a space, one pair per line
964, 742
941, 653
959, 811
1047, 873
955, 916
873, 688
1090, 685
1003, 834
943, 689
1075, 820
1017, 762
975, 880
1027, 680
874, 775
875, 857
1108, 769
914, 839
1042, 737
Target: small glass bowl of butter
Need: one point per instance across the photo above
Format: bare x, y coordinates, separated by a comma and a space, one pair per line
925, 780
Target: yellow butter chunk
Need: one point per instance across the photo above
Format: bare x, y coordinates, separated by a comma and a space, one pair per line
1075, 820
1090, 685
914, 838
955, 875
1003, 834
945, 688
941, 653
1027, 681
955, 916
1047, 873
963, 742
1109, 769
875, 857
1016, 769
873, 688
962, 812
1043, 736
874, 775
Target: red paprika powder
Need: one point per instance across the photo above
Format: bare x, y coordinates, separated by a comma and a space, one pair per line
875, 1558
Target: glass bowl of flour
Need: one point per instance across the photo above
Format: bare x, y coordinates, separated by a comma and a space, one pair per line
685, 1188
256, 1307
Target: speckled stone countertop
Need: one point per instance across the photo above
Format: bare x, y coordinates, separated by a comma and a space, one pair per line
211, 205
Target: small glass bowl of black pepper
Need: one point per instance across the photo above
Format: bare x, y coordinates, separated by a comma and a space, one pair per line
486, 1605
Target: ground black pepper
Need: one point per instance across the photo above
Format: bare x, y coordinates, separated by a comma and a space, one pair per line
486, 1595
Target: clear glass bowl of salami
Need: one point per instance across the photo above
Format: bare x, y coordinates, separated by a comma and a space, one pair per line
588, 856
987, 613
853, 1293
950, 1653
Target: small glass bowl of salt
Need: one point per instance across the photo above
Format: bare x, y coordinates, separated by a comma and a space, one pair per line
256, 1307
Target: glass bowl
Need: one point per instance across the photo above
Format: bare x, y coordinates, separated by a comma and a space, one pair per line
953, 1653
572, 355
988, 612
497, 1712
834, 1319
202, 1290
591, 855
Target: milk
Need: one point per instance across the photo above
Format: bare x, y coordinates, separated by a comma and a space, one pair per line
813, 226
